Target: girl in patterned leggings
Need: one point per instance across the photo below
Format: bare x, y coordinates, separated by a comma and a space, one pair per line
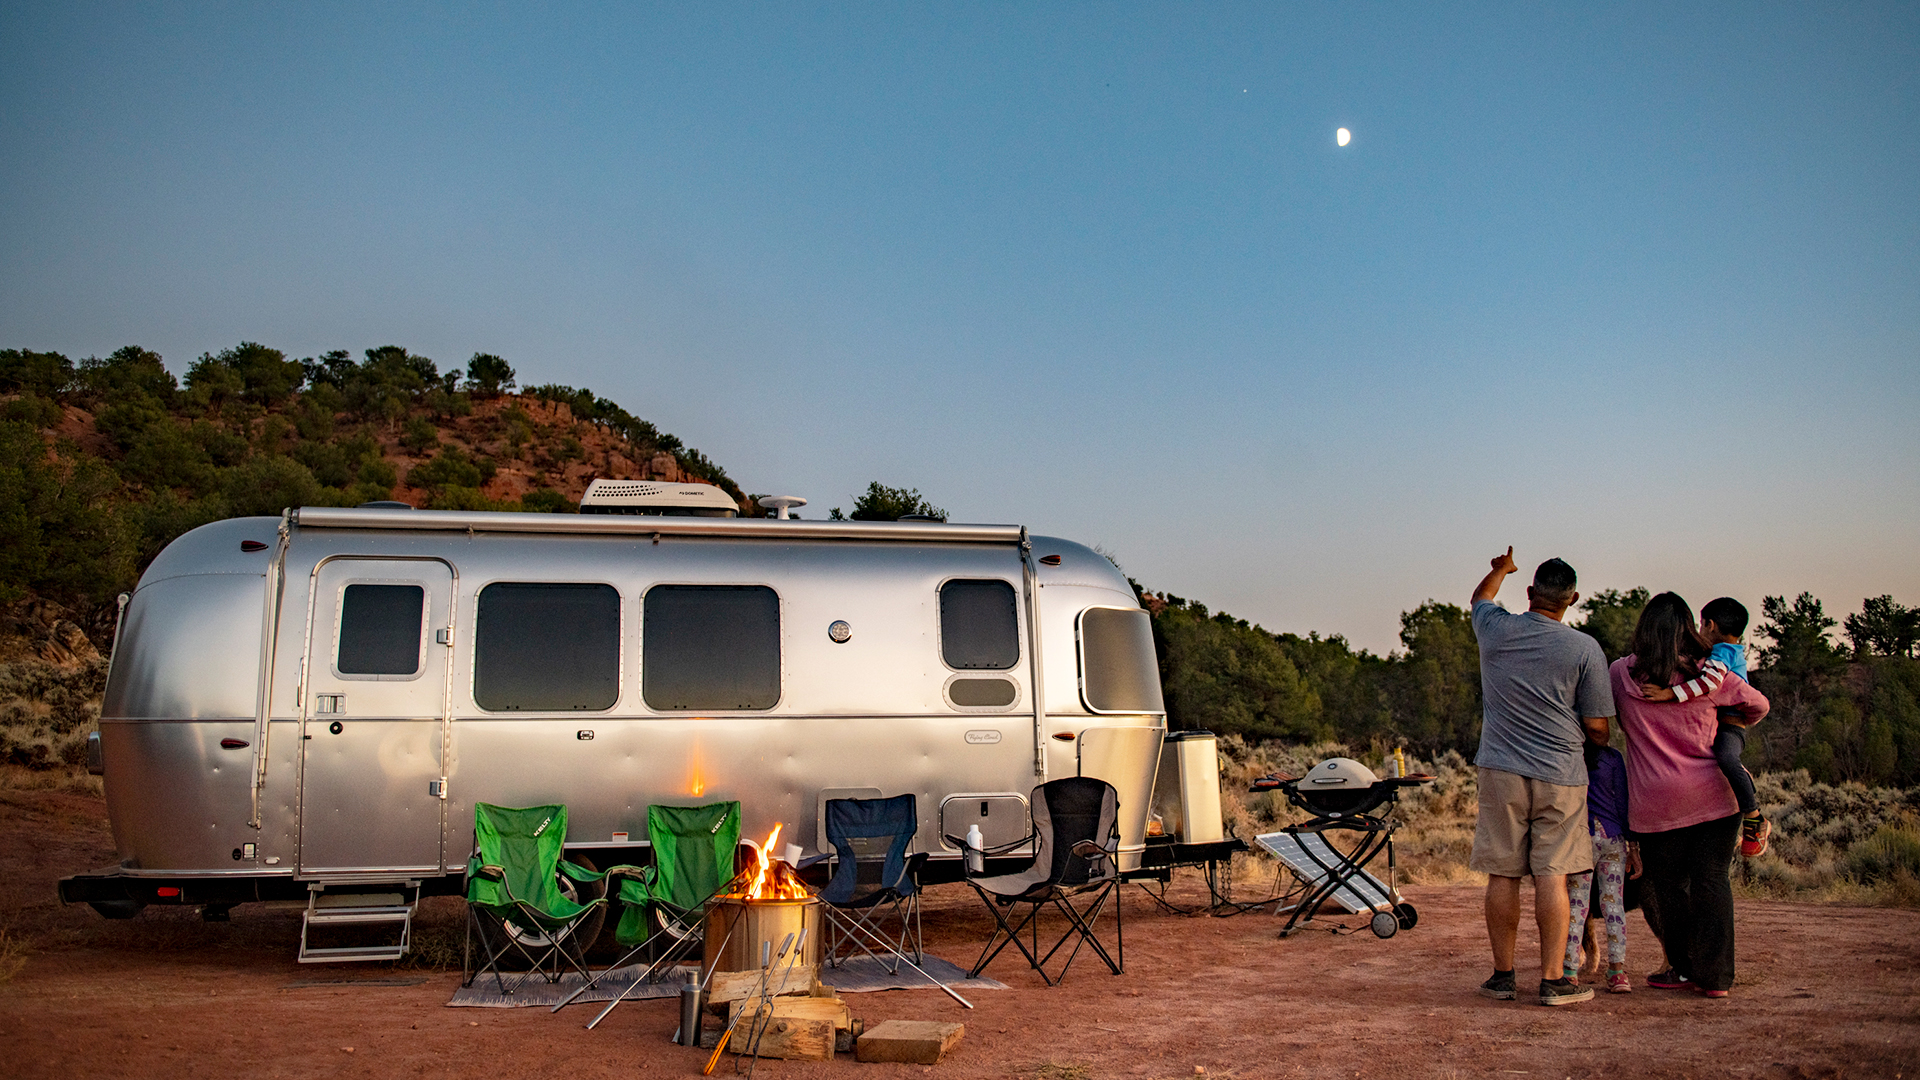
1614, 858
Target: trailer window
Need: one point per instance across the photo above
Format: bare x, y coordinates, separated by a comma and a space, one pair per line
979, 625
710, 647
546, 646
380, 630
1118, 669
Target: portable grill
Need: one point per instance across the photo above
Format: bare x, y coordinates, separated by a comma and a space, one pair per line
1341, 793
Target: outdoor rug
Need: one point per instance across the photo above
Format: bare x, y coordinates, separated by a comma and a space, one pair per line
857, 976
863, 974
485, 992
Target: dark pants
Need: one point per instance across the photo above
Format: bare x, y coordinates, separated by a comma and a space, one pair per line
1728, 744
1693, 893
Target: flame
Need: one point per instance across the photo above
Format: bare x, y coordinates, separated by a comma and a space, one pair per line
772, 878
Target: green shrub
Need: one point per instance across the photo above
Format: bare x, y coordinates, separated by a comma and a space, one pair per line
378, 472
547, 501
419, 435
1888, 854
268, 485
33, 409
448, 468
460, 497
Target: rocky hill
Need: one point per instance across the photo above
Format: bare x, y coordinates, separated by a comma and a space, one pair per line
105, 461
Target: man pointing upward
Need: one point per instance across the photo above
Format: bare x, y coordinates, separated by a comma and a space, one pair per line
1544, 691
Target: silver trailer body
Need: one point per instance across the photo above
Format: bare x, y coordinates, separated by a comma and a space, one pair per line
324, 696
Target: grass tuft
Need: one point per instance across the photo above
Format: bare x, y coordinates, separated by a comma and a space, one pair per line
13, 954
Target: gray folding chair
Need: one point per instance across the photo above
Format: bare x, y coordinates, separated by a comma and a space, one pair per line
1075, 871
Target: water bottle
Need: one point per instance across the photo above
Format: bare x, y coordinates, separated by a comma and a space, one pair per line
690, 1003
976, 850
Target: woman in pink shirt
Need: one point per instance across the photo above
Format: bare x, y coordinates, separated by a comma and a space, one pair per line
1683, 812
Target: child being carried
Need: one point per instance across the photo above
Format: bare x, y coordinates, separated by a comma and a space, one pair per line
1723, 622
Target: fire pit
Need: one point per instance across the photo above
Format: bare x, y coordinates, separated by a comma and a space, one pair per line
774, 903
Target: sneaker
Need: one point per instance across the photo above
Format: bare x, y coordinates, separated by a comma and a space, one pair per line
1563, 992
1668, 980
1713, 995
1499, 988
1618, 983
1754, 832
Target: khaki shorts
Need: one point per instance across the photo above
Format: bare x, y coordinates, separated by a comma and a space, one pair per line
1530, 827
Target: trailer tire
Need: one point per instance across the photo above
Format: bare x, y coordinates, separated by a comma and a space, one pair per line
536, 943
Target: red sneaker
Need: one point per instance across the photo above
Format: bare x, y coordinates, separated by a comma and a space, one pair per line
1754, 832
1706, 993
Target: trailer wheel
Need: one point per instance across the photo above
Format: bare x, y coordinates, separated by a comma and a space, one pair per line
536, 942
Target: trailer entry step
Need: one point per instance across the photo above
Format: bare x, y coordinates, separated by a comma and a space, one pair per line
364, 911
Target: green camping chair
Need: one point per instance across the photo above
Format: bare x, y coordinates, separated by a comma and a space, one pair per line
517, 903
693, 853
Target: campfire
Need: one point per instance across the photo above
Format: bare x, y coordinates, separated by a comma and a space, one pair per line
770, 878
770, 903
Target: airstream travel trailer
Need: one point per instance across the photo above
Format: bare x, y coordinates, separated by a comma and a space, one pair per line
314, 703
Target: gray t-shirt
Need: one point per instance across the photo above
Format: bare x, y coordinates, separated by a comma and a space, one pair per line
1538, 677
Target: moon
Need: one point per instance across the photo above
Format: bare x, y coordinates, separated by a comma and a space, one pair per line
1342, 137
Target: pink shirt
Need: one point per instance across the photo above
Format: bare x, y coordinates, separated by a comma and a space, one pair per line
1671, 774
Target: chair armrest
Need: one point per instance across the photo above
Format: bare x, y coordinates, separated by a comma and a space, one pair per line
580, 873
1001, 849
1087, 849
491, 873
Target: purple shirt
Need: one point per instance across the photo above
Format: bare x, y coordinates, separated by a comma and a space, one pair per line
1607, 793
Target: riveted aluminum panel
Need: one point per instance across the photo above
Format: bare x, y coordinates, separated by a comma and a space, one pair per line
176, 798
776, 769
189, 649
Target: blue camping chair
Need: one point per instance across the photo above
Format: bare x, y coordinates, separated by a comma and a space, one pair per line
874, 895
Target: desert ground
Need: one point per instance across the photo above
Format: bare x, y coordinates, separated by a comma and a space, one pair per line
1823, 991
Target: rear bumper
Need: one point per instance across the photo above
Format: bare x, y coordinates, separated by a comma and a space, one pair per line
113, 886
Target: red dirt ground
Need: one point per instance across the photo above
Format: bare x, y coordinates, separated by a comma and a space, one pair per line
1822, 992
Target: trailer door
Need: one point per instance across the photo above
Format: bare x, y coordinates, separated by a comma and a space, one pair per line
374, 717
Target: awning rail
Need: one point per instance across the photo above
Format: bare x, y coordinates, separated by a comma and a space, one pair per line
330, 517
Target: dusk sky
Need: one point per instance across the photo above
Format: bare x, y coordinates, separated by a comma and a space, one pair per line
1636, 287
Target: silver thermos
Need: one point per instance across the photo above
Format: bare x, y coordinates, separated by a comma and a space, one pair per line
690, 1011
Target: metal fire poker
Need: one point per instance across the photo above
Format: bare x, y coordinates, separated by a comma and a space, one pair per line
766, 970
758, 1028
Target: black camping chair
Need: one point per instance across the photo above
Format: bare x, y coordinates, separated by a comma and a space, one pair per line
1075, 870
875, 883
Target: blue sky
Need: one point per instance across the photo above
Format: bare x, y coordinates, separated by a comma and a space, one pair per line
1635, 287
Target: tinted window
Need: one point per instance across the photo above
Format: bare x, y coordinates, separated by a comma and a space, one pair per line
1118, 669
380, 629
982, 693
548, 647
979, 625
711, 647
